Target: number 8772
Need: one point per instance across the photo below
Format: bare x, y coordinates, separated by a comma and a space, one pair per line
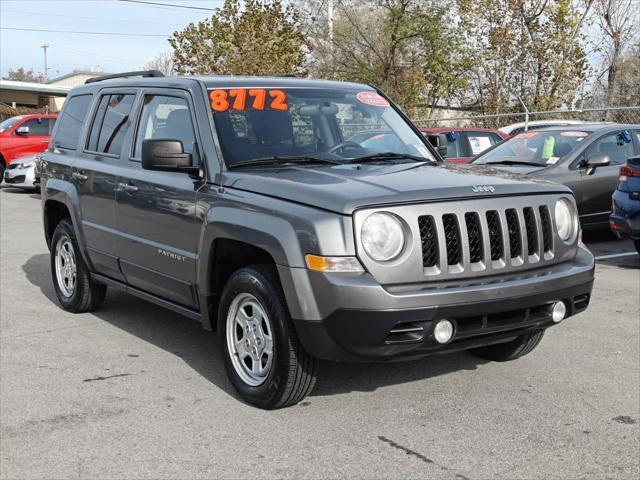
236, 99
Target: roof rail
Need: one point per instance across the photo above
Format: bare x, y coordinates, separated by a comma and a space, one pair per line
141, 73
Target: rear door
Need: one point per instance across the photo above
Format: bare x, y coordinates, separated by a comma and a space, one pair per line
157, 210
96, 173
598, 186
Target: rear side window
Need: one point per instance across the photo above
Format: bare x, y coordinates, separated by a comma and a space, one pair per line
109, 124
71, 120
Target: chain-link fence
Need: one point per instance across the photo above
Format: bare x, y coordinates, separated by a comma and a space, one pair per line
617, 114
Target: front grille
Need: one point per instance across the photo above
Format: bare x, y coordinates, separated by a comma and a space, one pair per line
16, 179
452, 239
486, 240
429, 241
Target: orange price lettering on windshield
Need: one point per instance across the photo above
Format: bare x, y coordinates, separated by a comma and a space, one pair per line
236, 99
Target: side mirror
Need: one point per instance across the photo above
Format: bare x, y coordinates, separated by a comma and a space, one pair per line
166, 155
22, 131
442, 151
596, 160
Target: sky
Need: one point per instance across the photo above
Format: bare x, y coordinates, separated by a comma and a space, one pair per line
71, 51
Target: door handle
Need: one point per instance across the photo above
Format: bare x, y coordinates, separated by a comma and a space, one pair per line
126, 187
80, 177
44, 141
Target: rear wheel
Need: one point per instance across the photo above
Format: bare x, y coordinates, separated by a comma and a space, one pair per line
503, 352
262, 354
75, 289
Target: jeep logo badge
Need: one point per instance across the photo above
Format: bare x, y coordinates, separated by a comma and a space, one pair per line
483, 188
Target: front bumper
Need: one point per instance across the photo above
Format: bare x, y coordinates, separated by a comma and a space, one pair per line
351, 318
20, 177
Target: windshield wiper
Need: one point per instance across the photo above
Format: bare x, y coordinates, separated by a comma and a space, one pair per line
389, 156
278, 160
514, 162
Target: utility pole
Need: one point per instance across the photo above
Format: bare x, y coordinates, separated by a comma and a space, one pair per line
46, 66
330, 25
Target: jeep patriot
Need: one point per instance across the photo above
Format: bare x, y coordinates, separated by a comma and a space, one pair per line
301, 220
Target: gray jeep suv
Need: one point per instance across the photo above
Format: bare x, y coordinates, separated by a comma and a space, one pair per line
258, 207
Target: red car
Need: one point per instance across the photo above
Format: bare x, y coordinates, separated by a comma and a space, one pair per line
461, 144
24, 135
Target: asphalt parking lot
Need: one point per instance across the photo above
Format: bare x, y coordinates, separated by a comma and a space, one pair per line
135, 391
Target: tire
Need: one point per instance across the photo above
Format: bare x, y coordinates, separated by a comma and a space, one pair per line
2, 169
83, 295
288, 374
504, 352
636, 243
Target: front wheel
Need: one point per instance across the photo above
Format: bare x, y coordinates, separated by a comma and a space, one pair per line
76, 291
262, 354
503, 352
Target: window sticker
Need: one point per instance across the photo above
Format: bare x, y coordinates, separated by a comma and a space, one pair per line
372, 98
553, 160
479, 144
240, 99
573, 134
526, 135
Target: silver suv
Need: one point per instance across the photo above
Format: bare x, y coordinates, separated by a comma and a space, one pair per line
301, 220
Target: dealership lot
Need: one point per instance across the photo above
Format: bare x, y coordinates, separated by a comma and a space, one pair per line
134, 391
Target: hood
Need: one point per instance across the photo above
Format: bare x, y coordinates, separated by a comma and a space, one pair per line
518, 169
30, 158
344, 188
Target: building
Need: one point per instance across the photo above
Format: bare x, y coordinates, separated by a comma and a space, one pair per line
75, 78
32, 95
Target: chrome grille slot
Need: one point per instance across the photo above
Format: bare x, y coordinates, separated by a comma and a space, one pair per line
429, 238
475, 239
513, 228
547, 233
495, 235
452, 239
532, 231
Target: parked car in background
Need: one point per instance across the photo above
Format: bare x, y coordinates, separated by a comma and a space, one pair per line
21, 173
516, 128
625, 217
586, 158
24, 135
461, 144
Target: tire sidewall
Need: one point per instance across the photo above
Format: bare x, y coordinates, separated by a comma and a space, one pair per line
65, 229
251, 281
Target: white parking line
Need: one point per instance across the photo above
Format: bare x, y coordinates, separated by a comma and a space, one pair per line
615, 255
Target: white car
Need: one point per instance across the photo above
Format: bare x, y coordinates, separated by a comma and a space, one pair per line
21, 173
517, 128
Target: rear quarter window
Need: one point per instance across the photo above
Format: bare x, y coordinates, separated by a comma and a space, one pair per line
70, 121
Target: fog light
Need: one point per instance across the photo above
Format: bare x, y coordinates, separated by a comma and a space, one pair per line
443, 331
558, 312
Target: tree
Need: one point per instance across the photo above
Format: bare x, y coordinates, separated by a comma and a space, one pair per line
163, 62
22, 75
263, 38
532, 49
409, 48
616, 21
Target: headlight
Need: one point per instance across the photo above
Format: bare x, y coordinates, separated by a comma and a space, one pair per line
566, 220
27, 165
382, 236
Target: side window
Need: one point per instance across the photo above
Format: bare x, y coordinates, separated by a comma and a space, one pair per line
480, 141
71, 119
616, 145
109, 124
165, 117
37, 126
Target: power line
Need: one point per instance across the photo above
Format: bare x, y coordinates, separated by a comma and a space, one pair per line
174, 5
117, 34
98, 55
4, 10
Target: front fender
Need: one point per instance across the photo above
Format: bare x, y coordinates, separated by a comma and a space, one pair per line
64, 192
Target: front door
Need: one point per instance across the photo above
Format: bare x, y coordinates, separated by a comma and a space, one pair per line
156, 210
598, 186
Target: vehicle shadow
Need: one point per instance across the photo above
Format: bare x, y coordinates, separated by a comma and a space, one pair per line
185, 338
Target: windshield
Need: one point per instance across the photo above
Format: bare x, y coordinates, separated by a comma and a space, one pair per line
325, 124
8, 123
543, 148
